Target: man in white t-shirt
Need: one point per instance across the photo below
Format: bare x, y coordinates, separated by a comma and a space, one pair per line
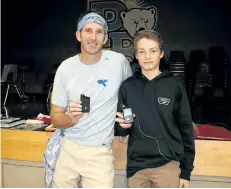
86, 146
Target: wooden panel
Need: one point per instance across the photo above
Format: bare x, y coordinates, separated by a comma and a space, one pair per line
1, 181
24, 145
17, 176
210, 184
213, 158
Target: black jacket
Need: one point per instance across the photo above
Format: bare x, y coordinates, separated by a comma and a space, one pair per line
162, 129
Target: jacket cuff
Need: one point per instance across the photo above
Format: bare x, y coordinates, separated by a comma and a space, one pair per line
119, 131
185, 174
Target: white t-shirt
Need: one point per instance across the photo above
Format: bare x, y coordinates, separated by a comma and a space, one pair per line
100, 82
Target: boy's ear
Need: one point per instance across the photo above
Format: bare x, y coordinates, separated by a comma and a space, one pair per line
162, 55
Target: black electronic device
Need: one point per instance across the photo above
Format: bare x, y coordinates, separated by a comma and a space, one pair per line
85, 103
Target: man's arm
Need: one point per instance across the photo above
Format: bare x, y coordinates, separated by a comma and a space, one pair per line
59, 103
58, 117
186, 131
62, 120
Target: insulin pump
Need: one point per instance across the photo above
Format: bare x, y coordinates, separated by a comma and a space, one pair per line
128, 115
85, 103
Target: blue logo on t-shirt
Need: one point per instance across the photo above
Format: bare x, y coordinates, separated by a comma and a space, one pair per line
103, 82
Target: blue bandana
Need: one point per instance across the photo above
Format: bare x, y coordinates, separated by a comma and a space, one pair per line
92, 18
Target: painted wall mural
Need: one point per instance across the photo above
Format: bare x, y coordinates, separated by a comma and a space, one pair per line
125, 18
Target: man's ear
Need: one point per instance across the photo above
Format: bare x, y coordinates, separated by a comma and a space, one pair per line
162, 54
105, 39
78, 36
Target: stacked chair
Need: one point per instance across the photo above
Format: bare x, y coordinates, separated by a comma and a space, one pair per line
195, 59
218, 61
219, 68
200, 84
226, 76
203, 76
178, 66
202, 90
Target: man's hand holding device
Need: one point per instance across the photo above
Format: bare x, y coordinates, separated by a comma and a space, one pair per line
78, 108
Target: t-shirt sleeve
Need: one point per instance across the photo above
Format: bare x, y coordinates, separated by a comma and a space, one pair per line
59, 93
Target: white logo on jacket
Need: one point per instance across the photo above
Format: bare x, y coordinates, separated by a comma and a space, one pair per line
164, 101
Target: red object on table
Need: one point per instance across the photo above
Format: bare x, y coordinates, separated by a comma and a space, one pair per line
206, 131
44, 119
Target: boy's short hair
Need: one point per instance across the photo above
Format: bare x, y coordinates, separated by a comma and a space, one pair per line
148, 34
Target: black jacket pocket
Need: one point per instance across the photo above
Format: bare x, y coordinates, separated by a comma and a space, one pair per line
141, 150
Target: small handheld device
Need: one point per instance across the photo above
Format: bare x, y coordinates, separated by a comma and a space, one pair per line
128, 115
85, 103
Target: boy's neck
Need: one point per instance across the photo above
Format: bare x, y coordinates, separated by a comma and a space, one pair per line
151, 74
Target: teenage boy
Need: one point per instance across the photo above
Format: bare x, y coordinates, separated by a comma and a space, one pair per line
161, 146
